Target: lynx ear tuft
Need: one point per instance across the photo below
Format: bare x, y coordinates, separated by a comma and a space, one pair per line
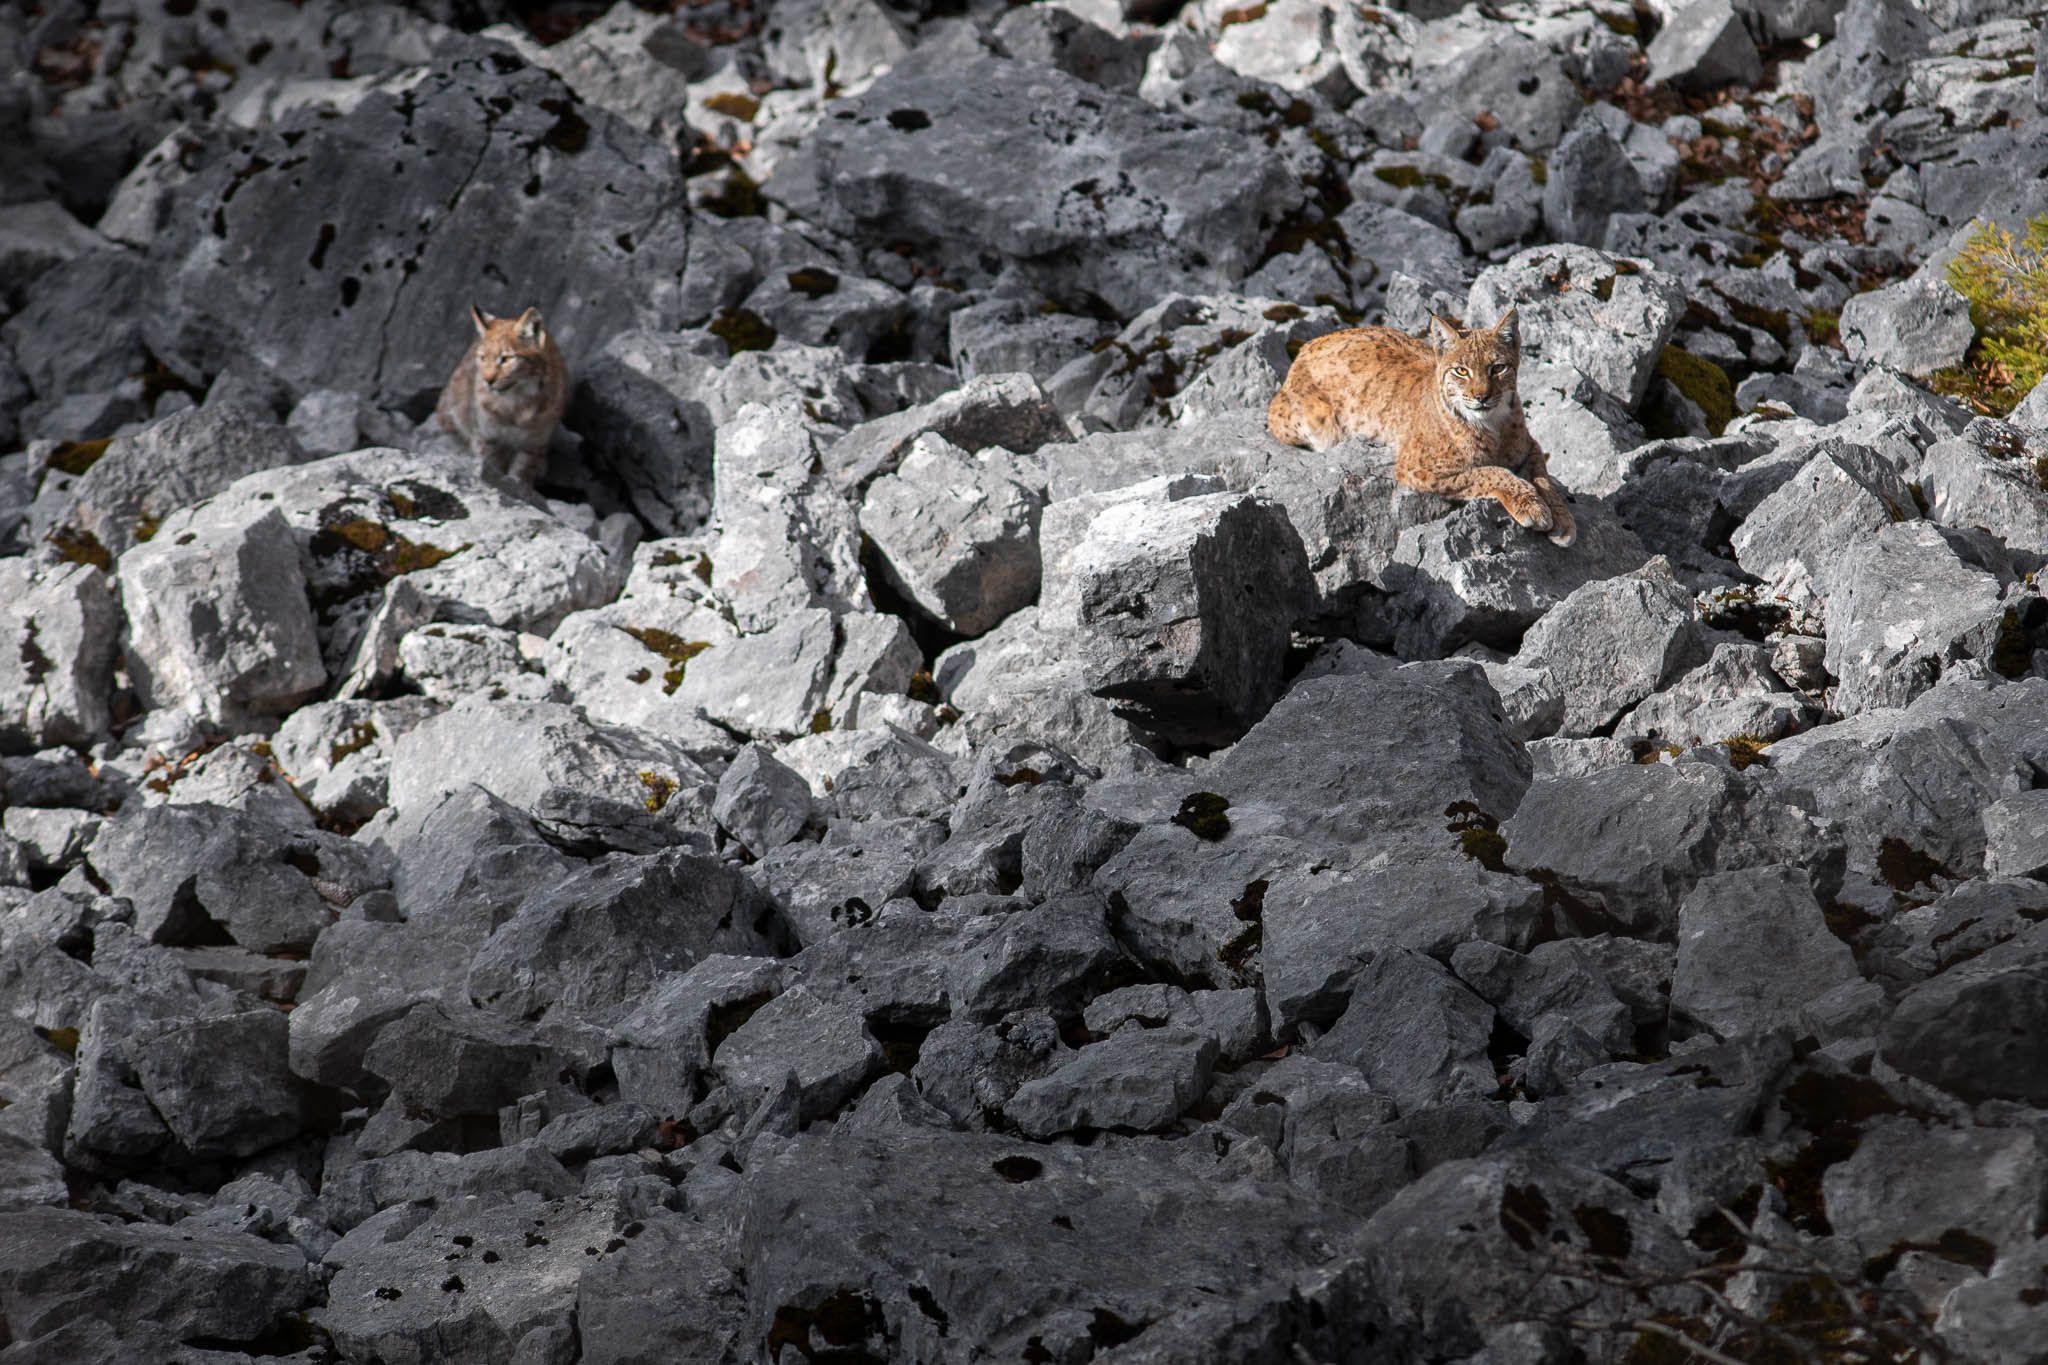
1508, 331
1443, 333
531, 328
482, 319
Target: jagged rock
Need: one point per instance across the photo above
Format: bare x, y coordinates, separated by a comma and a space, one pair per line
956, 535
824, 1047
142, 478
1907, 789
1137, 1078
670, 1284
1969, 485
1179, 609
498, 1282
1589, 179
668, 1037
218, 621
1612, 643
587, 946
993, 408
1704, 45
446, 663
1753, 950
1912, 1183
1608, 315
2016, 836
907, 159
1798, 538
200, 1285
879, 1249
222, 1084
452, 1061
1628, 844
1916, 326
338, 754
1419, 1036
1976, 1029
761, 801
29, 1176
1327, 1126
1498, 71
59, 630
1476, 576
787, 539
607, 786
1907, 607
1737, 693
772, 685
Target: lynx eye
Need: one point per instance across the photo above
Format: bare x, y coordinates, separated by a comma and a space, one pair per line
1461, 372
1496, 369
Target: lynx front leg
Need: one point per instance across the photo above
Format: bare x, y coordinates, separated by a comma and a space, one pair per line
1521, 499
1564, 528
1302, 416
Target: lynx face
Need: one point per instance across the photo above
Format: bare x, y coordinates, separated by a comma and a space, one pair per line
1475, 371
512, 354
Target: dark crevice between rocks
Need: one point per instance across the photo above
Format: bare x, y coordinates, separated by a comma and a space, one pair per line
841, 1328
932, 639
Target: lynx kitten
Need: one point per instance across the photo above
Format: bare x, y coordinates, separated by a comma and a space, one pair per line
1447, 405
507, 394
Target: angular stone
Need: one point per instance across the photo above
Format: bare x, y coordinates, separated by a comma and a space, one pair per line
1138, 1078
822, 1047
787, 538
222, 1084
1797, 538
1754, 949
453, 1062
956, 536
1977, 1029
1419, 1036
1907, 607
990, 409
1916, 326
1911, 1183
2016, 836
218, 620
1702, 46
608, 786
1589, 179
907, 159
59, 630
191, 455
586, 947
1612, 643
761, 801
1969, 485
772, 685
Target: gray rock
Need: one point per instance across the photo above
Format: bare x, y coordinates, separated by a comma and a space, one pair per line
218, 621
199, 1285
1614, 642
1736, 693
824, 1046
1180, 610
144, 477
1976, 1029
222, 1084
1798, 538
873, 1248
1476, 576
761, 801
640, 407
669, 1290
993, 408
449, 1062
1137, 1078
824, 888
586, 947
1499, 71
1477, 1241
60, 629
1589, 179
446, 663
772, 685
907, 159
496, 1283
1419, 1036
2016, 836
788, 539
957, 536
998, 337
1908, 1182
1608, 315
607, 786
1628, 844
1704, 45
1754, 949
668, 1037
337, 754
1916, 326
29, 1176
1906, 608
1969, 485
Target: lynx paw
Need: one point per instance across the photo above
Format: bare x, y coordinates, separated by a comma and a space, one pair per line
1533, 514
1563, 530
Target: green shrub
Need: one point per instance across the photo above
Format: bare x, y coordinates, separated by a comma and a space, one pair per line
2006, 281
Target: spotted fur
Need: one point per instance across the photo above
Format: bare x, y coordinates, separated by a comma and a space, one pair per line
506, 395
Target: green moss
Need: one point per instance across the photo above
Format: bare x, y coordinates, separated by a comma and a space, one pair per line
65, 1040
1246, 15
1411, 178
360, 737
75, 457
733, 104
1701, 381
923, 688
1202, 814
146, 527
77, 546
1824, 328
1746, 751
2012, 652
1479, 836
659, 789
821, 721
2005, 279
672, 647
1539, 170
410, 556
813, 282
742, 330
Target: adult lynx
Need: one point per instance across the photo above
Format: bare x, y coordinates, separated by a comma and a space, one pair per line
507, 394
1447, 405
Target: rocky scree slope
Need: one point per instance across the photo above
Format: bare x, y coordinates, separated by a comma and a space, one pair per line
930, 837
